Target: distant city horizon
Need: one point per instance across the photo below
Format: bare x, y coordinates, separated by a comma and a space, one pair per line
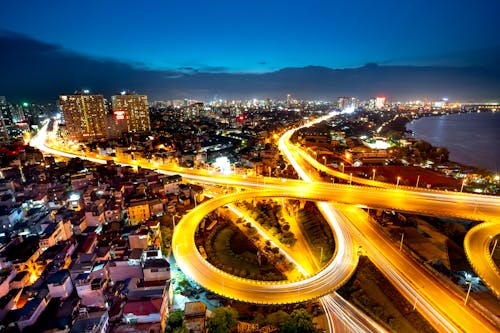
47, 70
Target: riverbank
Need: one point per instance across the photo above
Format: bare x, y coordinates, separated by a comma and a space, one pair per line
471, 138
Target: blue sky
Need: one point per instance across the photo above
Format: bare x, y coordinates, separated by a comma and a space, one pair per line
261, 36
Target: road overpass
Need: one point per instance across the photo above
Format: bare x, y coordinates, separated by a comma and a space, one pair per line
431, 202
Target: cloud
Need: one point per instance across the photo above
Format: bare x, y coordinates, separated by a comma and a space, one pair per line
187, 69
40, 71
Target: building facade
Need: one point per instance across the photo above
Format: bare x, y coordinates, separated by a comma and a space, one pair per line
84, 115
133, 109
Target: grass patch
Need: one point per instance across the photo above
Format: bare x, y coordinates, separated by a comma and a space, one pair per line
317, 232
230, 250
374, 294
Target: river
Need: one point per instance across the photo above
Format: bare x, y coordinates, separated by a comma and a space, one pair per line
472, 138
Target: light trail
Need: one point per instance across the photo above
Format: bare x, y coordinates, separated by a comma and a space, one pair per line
192, 264
430, 202
429, 301
477, 244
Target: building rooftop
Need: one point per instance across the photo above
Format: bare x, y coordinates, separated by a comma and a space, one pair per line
194, 309
90, 324
136, 254
156, 263
59, 277
143, 308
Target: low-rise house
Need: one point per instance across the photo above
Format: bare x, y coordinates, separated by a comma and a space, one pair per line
113, 211
9, 216
93, 322
159, 296
54, 233
8, 302
33, 308
139, 239
142, 311
20, 281
60, 284
171, 183
91, 290
195, 317
6, 276
81, 180
121, 270
156, 207
156, 270
89, 244
138, 211
22, 253
83, 263
94, 213
78, 223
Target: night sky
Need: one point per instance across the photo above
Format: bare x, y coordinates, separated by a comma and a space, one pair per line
181, 38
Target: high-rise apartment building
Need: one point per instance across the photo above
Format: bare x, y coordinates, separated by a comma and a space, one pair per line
84, 115
344, 102
379, 102
133, 109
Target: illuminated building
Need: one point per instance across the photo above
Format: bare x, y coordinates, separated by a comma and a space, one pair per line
133, 110
4, 108
138, 212
85, 116
379, 102
344, 102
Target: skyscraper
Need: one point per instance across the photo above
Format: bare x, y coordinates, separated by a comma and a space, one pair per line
84, 116
344, 102
133, 109
379, 102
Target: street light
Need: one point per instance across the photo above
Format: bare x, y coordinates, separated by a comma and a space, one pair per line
373, 178
173, 221
468, 291
342, 164
462, 187
324, 160
397, 183
418, 178
350, 178
494, 247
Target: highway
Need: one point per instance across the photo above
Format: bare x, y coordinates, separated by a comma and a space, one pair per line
435, 305
340, 268
442, 307
477, 244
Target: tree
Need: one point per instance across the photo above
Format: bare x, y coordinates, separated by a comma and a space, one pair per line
260, 320
180, 330
300, 321
176, 318
278, 318
223, 319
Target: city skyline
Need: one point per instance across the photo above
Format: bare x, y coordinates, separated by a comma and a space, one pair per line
265, 166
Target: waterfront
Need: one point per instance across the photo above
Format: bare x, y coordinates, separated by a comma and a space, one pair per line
471, 138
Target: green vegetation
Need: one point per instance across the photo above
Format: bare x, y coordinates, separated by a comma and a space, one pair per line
453, 229
422, 151
176, 322
269, 215
317, 232
299, 321
223, 320
166, 237
229, 250
375, 295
